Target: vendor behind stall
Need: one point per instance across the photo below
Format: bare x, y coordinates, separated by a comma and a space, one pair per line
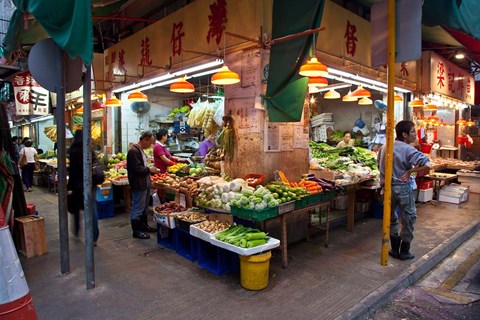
162, 158
347, 140
207, 144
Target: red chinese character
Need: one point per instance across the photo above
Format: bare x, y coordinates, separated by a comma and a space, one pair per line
19, 80
107, 60
145, 53
404, 70
468, 86
121, 60
176, 40
351, 43
451, 82
113, 56
440, 74
217, 18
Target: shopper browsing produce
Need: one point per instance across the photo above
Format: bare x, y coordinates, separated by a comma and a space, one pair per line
347, 140
139, 179
162, 158
407, 160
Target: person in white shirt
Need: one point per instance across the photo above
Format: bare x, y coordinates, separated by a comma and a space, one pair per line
27, 171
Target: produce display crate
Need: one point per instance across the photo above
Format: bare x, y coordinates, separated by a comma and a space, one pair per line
314, 199
165, 236
260, 179
105, 209
185, 244
216, 260
104, 194
286, 207
201, 234
302, 203
257, 215
328, 195
185, 225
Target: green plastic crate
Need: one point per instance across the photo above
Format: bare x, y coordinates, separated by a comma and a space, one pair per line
302, 203
257, 215
314, 199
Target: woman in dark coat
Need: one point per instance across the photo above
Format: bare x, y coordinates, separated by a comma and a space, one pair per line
75, 185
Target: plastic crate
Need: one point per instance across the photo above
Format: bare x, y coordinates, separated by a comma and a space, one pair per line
302, 203
165, 236
257, 215
286, 207
314, 199
185, 244
104, 194
216, 260
105, 209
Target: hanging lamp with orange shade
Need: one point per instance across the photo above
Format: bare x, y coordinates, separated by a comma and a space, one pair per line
317, 82
182, 86
360, 92
137, 96
417, 103
113, 102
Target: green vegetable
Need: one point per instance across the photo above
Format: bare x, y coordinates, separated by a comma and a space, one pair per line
255, 236
256, 243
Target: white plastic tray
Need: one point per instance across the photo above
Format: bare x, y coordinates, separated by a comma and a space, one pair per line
199, 233
271, 244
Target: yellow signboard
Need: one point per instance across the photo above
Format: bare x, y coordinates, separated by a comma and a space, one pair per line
348, 36
198, 27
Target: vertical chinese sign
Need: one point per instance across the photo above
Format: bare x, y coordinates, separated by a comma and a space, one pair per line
30, 97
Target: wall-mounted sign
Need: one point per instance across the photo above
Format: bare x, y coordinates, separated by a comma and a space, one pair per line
443, 77
30, 97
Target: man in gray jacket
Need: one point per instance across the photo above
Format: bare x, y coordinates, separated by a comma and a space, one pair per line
406, 160
139, 179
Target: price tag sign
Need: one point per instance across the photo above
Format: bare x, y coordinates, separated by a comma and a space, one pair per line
183, 201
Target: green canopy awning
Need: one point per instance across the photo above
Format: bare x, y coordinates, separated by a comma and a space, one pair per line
286, 89
68, 23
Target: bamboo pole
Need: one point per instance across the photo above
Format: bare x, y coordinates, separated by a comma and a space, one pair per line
390, 127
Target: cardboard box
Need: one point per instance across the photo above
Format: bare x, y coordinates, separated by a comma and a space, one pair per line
31, 239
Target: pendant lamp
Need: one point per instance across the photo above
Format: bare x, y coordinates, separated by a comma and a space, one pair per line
113, 102
313, 89
360, 92
461, 122
317, 82
313, 67
348, 97
331, 94
137, 96
182, 86
430, 107
470, 123
397, 98
365, 101
417, 103
225, 76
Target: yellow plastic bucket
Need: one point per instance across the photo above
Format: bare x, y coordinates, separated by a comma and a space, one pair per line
254, 271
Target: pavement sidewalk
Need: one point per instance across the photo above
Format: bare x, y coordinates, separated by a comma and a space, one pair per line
138, 279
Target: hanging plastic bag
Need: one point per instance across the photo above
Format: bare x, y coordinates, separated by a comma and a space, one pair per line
155, 199
219, 113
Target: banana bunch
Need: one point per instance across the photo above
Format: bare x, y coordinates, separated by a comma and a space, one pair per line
51, 132
96, 131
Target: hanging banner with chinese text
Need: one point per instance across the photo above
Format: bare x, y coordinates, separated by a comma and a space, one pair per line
444, 77
348, 36
198, 26
30, 97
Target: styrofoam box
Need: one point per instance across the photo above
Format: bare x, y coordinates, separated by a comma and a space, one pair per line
425, 195
168, 220
451, 199
201, 234
271, 244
